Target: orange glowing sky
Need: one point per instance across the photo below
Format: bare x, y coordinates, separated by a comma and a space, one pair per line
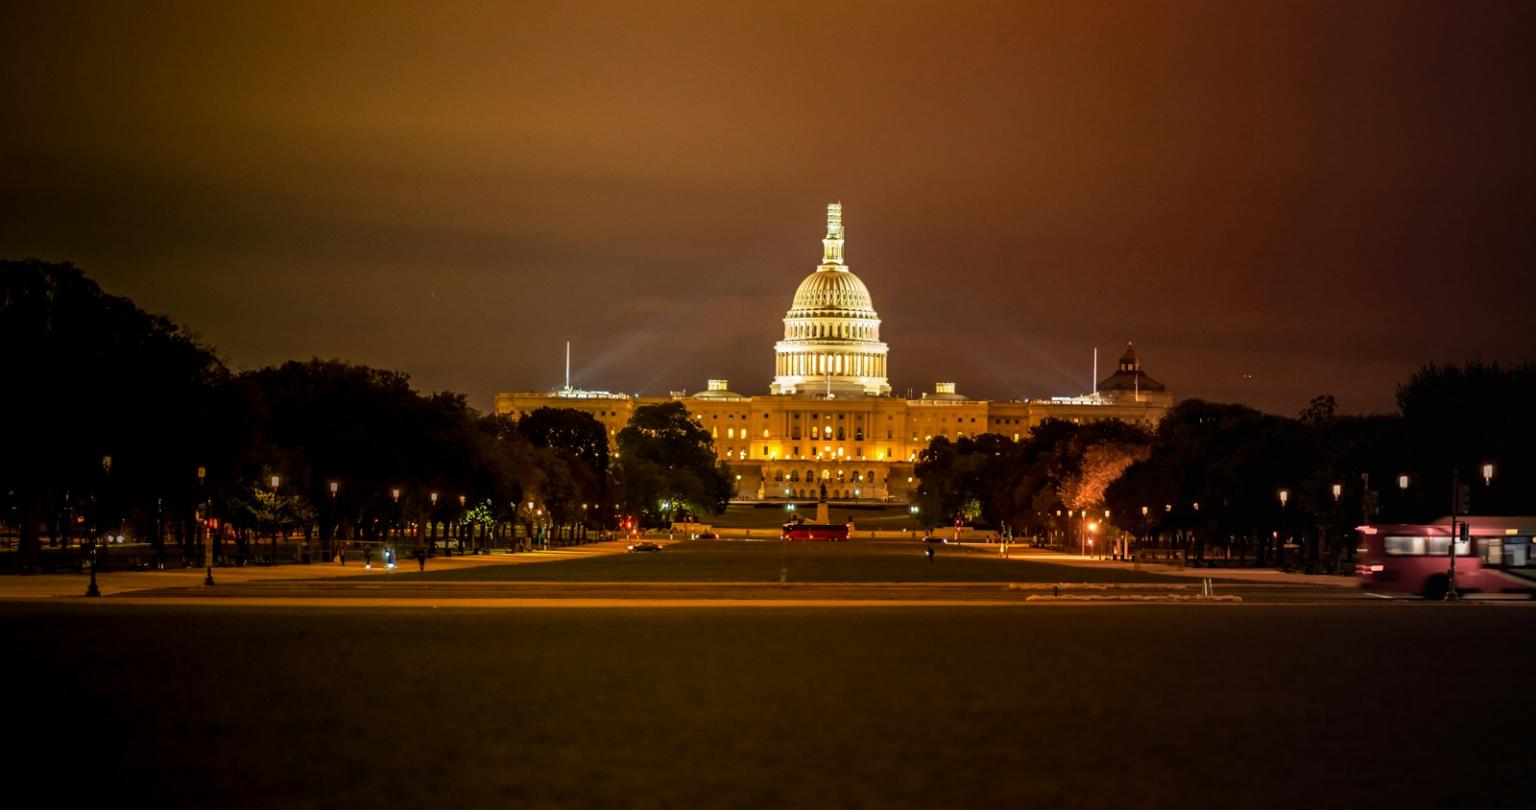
1274, 200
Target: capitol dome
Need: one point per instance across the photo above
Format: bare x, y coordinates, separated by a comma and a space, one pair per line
836, 289
831, 344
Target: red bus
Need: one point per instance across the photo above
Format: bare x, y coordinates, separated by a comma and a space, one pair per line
825, 532
1495, 558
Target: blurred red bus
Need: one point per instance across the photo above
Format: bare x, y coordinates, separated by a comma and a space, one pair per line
828, 532
1495, 558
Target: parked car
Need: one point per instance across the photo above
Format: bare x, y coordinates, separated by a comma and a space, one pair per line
645, 545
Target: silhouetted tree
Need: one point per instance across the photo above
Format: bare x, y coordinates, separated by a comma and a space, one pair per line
91, 376
665, 457
1462, 417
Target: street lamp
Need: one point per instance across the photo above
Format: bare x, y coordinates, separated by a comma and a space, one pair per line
1402, 482
431, 524
275, 481
202, 496
335, 524
1285, 497
1459, 494
389, 556
463, 524
92, 589
1338, 492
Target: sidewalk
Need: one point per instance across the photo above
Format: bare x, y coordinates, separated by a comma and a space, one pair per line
48, 586
1266, 575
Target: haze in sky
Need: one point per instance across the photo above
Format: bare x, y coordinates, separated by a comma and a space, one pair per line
1273, 200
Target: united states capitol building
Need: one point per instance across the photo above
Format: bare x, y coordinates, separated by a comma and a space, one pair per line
829, 417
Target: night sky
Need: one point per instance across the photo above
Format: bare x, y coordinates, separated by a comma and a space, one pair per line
1273, 200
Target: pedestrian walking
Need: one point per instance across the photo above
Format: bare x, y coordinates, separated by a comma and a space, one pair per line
368, 557
929, 552
421, 559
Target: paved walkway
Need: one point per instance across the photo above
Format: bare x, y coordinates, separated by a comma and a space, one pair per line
1268, 575
42, 586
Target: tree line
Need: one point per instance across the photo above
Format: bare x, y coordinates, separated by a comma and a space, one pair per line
120, 421
1224, 479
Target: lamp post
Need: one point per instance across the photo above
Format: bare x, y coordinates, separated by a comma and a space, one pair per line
1456, 502
463, 525
97, 547
92, 589
335, 524
432, 525
202, 496
1460, 502
389, 548
275, 481
1285, 498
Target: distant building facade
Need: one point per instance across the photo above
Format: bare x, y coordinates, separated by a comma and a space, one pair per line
829, 418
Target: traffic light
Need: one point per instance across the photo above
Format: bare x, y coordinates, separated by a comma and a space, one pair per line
1463, 499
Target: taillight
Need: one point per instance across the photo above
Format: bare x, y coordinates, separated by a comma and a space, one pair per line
1378, 568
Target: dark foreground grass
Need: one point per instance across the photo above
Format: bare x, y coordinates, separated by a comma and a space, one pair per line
1058, 707
739, 561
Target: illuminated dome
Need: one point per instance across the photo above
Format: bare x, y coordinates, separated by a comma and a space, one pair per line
833, 289
831, 344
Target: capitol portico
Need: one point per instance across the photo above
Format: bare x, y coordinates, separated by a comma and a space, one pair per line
829, 418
